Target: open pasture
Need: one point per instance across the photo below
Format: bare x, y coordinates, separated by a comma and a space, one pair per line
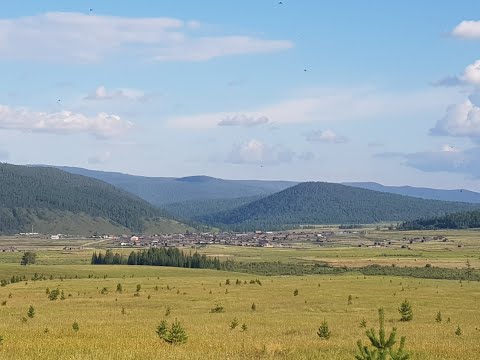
283, 326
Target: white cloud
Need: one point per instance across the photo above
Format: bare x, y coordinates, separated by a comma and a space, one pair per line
470, 76
101, 93
467, 30
67, 37
326, 136
205, 48
62, 122
329, 105
243, 120
461, 120
257, 152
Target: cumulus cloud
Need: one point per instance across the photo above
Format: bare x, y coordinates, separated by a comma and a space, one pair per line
461, 120
101, 93
62, 122
470, 76
326, 136
467, 29
329, 105
77, 37
257, 152
101, 158
243, 120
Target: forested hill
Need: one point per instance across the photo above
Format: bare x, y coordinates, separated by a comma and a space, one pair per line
166, 190
28, 192
461, 220
326, 203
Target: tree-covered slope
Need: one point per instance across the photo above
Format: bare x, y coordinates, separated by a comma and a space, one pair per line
30, 194
166, 190
460, 195
460, 220
326, 203
196, 210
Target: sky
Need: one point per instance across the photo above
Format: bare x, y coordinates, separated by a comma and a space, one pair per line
304, 90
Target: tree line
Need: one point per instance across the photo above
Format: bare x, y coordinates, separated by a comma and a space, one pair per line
459, 220
162, 256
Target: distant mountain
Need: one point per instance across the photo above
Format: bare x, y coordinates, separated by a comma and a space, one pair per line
56, 201
460, 195
326, 203
165, 190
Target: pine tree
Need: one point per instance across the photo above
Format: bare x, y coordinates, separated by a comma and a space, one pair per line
244, 327
31, 312
349, 300
295, 292
323, 331
177, 334
458, 332
382, 347
438, 318
119, 288
254, 307
75, 326
234, 324
405, 311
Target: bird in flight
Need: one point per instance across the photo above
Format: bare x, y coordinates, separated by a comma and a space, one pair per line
280, 3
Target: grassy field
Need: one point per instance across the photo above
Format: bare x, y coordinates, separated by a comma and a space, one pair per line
283, 326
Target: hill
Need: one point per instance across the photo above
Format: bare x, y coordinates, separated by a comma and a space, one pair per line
57, 201
326, 203
196, 210
165, 190
458, 195
460, 220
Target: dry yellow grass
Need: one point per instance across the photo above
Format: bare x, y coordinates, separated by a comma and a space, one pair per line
283, 326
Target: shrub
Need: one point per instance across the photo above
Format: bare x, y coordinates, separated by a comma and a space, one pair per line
405, 311
458, 332
382, 348
438, 318
54, 294
323, 331
363, 323
295, 292
28, 258
234, 324
254, 307
175, 335
139, 287
217, 309
31, 312
350, 298
75, 326
119, 288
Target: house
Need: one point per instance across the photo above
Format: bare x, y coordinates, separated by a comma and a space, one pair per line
55, 237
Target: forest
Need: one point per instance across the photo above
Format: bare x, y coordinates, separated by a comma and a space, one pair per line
327, 203
460, 220
25, 190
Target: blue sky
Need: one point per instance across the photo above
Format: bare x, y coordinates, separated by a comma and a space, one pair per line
306, 90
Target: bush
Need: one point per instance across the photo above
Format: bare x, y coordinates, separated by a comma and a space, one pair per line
75, 326
405, 311
54, 294
234, 324
31, 312
175, 335
323, 331
28, 258
217, 309
382, 347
